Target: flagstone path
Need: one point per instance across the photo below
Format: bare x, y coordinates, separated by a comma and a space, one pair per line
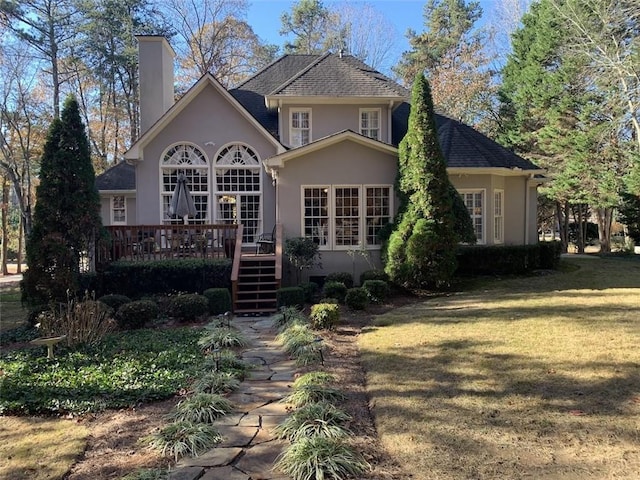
249, 448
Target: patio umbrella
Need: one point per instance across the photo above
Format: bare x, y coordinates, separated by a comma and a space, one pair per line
181, 201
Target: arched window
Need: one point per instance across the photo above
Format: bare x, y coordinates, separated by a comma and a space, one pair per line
238, 189
188, 160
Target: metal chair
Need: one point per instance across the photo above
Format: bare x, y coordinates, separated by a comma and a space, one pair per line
266, 242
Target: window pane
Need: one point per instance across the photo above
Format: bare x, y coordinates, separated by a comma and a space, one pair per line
378, 212
347, 216
474, 201
316, 214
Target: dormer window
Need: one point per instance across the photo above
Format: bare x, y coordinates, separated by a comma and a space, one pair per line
300, 130
370, 122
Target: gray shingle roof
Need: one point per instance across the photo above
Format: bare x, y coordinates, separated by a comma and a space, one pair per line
121, 176
334, 76
463, 146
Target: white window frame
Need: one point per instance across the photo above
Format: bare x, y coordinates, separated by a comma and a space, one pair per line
331, 243
123, 208
366, 216
325, 232
334, 206
293, 129
498, 216
241, 156
198, 162
368, 129
481, 240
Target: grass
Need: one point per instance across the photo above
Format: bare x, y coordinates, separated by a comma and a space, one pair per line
12, 314
533, 377
39, 448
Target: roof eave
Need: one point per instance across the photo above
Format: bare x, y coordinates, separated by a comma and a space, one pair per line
501, 171
274, 101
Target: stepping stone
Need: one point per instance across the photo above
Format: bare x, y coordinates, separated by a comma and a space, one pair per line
283, 377
216, 457
237, 436
258, 460
269, 422
225, 473
250, 420
186, 473
231, 419
262, 375
274, 408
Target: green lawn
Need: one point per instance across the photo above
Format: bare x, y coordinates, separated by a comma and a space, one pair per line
12, 314
534, 377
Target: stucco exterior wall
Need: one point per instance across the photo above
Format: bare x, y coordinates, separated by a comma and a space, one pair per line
105, 209
329, 119
345, 163
208, 118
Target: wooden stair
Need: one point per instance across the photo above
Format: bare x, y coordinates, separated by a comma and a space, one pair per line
257, 284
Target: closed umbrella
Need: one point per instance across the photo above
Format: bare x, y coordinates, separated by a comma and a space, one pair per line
182, 205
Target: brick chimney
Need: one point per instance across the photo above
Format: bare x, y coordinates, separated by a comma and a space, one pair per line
155, 67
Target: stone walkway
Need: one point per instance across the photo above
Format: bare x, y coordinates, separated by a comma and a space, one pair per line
249, 449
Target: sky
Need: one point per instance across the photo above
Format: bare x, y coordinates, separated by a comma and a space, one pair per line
264, 17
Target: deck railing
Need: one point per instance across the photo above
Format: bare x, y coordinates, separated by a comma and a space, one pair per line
159, 242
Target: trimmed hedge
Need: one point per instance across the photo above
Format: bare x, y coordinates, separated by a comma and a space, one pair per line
342, 277
373, 275
377, 290
290, 297
507, 259
115, 301
138, 279
336, 290
188, 307
219, 300
136, 314
356, 298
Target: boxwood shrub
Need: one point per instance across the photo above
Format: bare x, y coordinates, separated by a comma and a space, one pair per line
324, 316
136, 314
219, 300
377, 290
115, 301
189, 306
310, 290
356, 298
373, 275
337, 290
342, 277
290, 297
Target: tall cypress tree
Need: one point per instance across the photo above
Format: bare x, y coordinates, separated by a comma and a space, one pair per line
421, 250
67, 213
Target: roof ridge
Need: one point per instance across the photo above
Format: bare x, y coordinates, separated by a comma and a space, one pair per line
300, 73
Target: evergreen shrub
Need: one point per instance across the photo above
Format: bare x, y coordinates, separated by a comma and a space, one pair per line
136, 314
188, 307
507, 259
114, 300
337, 290
377, 290
342, 277
324, 316
310, 290
373, 275
290, 297
219, 300
356, 298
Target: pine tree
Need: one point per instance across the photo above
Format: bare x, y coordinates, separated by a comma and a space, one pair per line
421, 250
67, 213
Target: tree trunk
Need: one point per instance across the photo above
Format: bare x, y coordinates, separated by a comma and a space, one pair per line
605, 219
5, 223
562, 216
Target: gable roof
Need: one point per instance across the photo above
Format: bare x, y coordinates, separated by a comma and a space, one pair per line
120, 177
207, 79
344, 135
462, 146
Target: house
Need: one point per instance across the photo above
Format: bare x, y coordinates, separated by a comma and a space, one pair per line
309, 143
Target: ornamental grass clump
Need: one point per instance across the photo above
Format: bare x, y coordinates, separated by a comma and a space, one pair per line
201, 408
216, 382
318, 458
296, 338
222, 337
313, 378
306, 394
228, 362
179, 439
288, 316
321, 418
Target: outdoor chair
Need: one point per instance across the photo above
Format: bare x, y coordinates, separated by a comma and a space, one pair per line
266, 242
